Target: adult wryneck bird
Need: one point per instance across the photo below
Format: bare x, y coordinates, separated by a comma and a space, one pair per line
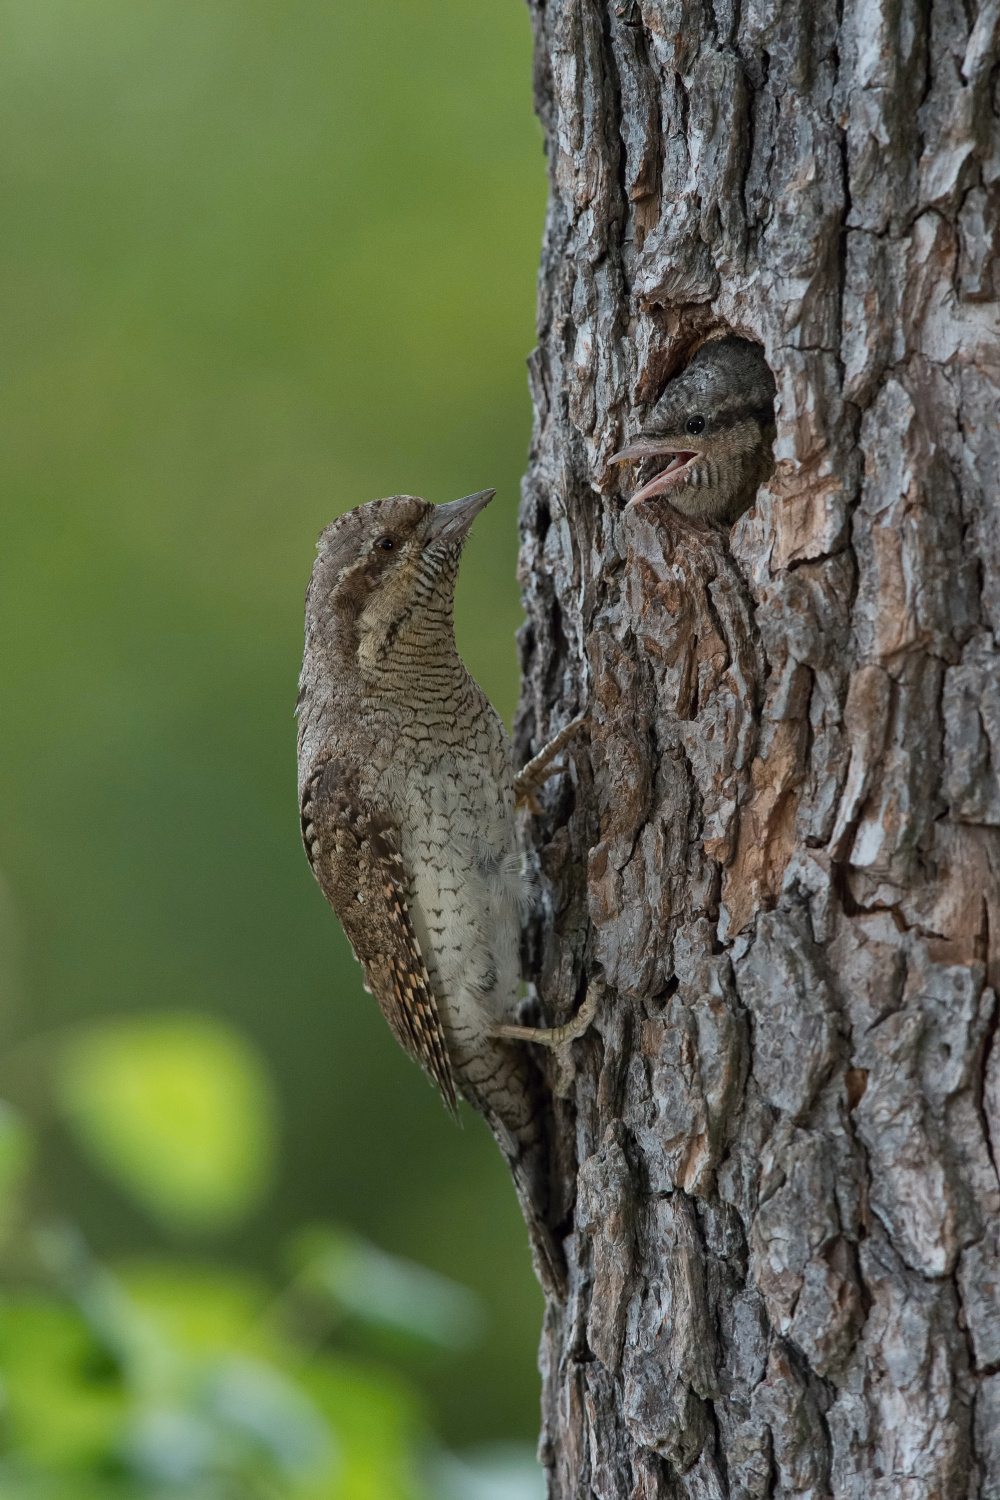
407, 795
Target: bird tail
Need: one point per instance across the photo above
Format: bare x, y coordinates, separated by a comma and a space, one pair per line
546, 1255
501, 1092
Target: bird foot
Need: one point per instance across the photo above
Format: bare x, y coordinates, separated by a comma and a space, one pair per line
540, 768
555, 1036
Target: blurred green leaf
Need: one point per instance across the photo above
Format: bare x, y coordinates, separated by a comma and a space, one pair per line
203, 1309
494, 1472
263, 1404
177, 1111
224, 1410
64, 1398
213, 1393
498, 1471
257, 1384
243, 1417
378, 1426
386, 1290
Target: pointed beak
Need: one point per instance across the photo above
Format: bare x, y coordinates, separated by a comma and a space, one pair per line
641, 447
451, 522
668, 478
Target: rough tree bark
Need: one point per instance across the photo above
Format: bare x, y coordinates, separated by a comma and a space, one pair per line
775, 1155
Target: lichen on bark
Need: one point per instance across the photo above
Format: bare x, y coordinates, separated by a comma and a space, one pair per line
775, 1155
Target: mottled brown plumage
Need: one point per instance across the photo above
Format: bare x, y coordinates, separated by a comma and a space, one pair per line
354, 854
707, 444
407, 796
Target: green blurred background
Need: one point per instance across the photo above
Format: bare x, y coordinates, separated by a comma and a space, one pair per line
262, 260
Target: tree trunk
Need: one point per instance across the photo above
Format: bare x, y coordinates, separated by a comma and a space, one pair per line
775, 1153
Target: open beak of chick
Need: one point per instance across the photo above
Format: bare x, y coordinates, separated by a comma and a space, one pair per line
674, 472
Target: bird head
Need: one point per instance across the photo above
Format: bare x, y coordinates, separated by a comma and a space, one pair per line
707, 443
386, 563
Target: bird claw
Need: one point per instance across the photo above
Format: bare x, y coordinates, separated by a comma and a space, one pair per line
556, 1036
540, 768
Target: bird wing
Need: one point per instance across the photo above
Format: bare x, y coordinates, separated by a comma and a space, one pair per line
354, 853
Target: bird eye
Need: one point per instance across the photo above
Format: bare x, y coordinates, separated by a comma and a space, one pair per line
386, 543
695, 425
